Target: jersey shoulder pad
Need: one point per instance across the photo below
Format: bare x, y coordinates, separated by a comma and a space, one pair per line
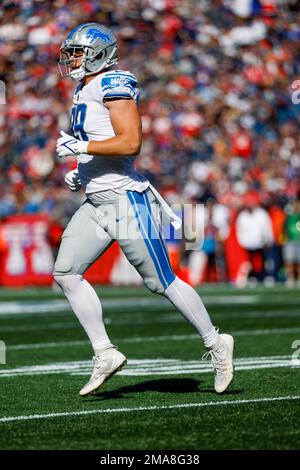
119, 84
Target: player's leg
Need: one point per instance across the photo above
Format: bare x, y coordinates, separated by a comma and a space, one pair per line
149, 255
80, 247
289, 259
297, 261
83, 241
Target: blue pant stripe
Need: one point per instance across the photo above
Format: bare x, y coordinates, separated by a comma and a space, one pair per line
156, 240
153, 241
163, 246
143, 231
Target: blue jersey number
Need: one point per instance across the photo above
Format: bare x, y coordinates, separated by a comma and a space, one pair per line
78, 118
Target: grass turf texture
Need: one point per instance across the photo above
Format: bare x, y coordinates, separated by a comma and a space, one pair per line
179, 409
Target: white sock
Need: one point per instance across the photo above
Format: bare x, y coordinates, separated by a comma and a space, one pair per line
188, 302
87, 307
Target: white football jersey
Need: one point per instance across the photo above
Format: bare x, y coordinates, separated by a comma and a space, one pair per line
91, 121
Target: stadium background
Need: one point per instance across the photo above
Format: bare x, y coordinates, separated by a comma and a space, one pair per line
220, 128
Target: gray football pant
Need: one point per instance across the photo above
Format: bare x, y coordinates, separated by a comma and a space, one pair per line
132, 220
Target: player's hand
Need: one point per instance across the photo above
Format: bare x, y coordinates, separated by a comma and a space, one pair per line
67, 145
72, 180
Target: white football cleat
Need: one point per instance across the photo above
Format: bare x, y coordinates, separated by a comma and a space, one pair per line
106, 364
222, 359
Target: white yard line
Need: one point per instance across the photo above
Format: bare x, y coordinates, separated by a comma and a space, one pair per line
137, 319
150, 408
49, 306
54, 344
266, 331
258, 332
44, 326
155, 367
145, 339
9, 308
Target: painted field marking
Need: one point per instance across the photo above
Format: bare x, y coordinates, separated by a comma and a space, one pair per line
51, 306
7, 419
146, 367
145, 339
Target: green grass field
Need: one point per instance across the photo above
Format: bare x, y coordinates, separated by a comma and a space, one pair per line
164, 399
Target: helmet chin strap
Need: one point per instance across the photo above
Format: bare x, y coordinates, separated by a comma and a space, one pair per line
78, 76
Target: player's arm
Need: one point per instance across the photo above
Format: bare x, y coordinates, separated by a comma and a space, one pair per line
126, 123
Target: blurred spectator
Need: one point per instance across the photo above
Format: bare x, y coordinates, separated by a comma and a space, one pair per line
210, 245
215, 78
274, 260
254, 233
291, 251
206, 259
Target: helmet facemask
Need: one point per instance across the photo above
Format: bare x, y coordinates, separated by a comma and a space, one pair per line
72, 62
78, 61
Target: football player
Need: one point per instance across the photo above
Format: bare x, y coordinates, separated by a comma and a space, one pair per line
120, 203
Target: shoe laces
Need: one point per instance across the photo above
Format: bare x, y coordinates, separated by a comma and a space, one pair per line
218, 361
97, 361
97, 365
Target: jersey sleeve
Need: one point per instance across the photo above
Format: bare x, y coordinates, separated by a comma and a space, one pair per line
120, 85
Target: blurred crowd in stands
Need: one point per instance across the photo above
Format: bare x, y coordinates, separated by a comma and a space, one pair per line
220, 115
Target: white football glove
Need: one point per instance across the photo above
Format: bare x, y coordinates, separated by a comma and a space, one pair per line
72, 180
67, 145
